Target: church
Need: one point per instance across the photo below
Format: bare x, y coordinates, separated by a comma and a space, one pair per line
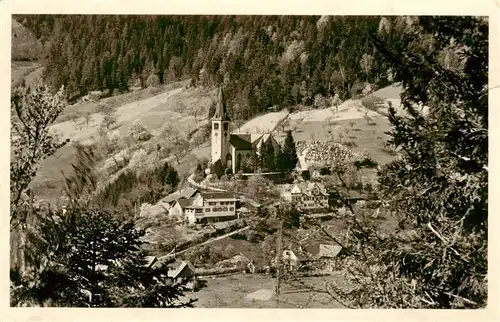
228, 147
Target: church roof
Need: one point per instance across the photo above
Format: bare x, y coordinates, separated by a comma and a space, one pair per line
221, 108
240, 141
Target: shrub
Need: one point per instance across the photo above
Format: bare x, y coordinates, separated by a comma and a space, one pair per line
198, 177
239, 236
138, 158
350, 144
139, 132
324, 171
365, 163
306, 175
217, 169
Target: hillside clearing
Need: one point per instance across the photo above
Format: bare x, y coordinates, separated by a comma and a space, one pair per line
29, 72
264, 123
173, 107
348, 110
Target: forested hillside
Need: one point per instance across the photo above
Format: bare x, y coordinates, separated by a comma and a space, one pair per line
262, 60
25, 47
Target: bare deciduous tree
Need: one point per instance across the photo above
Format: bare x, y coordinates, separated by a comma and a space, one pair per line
31, 140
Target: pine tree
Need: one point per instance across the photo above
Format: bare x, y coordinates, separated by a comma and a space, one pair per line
82, 183
262, 155
290, 152
254, 161
238, 165
269, 155
88, 258
438, 188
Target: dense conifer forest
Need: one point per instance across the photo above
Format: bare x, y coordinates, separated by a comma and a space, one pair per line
262, 61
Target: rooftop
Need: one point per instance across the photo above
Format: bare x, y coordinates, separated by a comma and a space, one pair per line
180, 268
324, 250
183, 193
185, 202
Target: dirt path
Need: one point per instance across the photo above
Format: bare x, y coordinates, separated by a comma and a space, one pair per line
205, 242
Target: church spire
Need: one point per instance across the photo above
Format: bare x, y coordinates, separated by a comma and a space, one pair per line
221, 108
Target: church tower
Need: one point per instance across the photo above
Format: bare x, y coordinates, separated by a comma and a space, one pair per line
221, 132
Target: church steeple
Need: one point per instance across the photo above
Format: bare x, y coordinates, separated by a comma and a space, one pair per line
221, 131
221, 108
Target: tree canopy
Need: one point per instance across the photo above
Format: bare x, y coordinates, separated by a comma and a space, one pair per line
438, 188
87, 257
263, 61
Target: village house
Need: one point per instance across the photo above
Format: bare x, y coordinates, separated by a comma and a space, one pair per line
323, 251
205, 206
179, 194
305, 195
351, 197
181, 270
232, 148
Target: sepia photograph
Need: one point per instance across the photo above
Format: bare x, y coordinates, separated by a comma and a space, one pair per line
249, 161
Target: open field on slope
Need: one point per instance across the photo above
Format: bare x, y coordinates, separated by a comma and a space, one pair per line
365, 137
187, 110
175, 107
233, 292
392, 95
349, 122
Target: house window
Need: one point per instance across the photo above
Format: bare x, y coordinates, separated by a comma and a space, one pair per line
216, 126
211, 203
231, 208
207, 209
224, 209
